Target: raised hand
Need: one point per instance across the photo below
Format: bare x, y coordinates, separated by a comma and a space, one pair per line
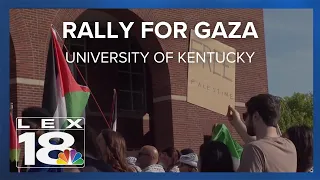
233, 114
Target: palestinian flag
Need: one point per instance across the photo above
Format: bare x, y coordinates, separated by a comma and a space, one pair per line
114, 114
14, 145
221, 133
62, 96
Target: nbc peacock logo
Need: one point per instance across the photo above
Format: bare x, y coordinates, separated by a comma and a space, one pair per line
70, 157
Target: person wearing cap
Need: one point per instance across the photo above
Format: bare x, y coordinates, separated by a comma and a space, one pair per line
188, 163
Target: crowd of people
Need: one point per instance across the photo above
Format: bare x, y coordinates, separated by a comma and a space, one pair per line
265, 150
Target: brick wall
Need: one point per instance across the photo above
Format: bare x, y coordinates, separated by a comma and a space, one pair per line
173, 122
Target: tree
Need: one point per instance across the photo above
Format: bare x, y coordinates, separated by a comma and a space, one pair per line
296, 110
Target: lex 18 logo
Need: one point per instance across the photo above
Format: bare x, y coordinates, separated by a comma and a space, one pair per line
45, 142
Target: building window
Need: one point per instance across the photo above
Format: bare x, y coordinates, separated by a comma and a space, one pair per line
132, 83
131, 76
131, 87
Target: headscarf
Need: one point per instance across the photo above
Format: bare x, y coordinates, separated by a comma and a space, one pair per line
131, 160
189, 159
132, 163
175, 169
154, 168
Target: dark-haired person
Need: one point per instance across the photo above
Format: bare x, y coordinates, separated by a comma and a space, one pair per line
186, 151
215, 157
169, 159
302, 138
269, 152
35, 123
188, 161
113, 150
93, 161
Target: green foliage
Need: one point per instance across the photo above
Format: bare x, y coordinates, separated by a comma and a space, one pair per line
296, 110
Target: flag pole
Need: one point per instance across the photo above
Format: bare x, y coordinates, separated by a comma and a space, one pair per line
11, 107
115, 110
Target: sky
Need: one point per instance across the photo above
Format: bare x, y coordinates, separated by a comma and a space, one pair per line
289, 48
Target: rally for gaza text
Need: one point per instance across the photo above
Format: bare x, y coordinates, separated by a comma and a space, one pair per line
202, 30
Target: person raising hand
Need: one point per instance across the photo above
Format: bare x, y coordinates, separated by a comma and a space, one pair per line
235, 120
269, 152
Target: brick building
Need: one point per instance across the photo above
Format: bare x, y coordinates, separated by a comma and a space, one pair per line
152, 97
